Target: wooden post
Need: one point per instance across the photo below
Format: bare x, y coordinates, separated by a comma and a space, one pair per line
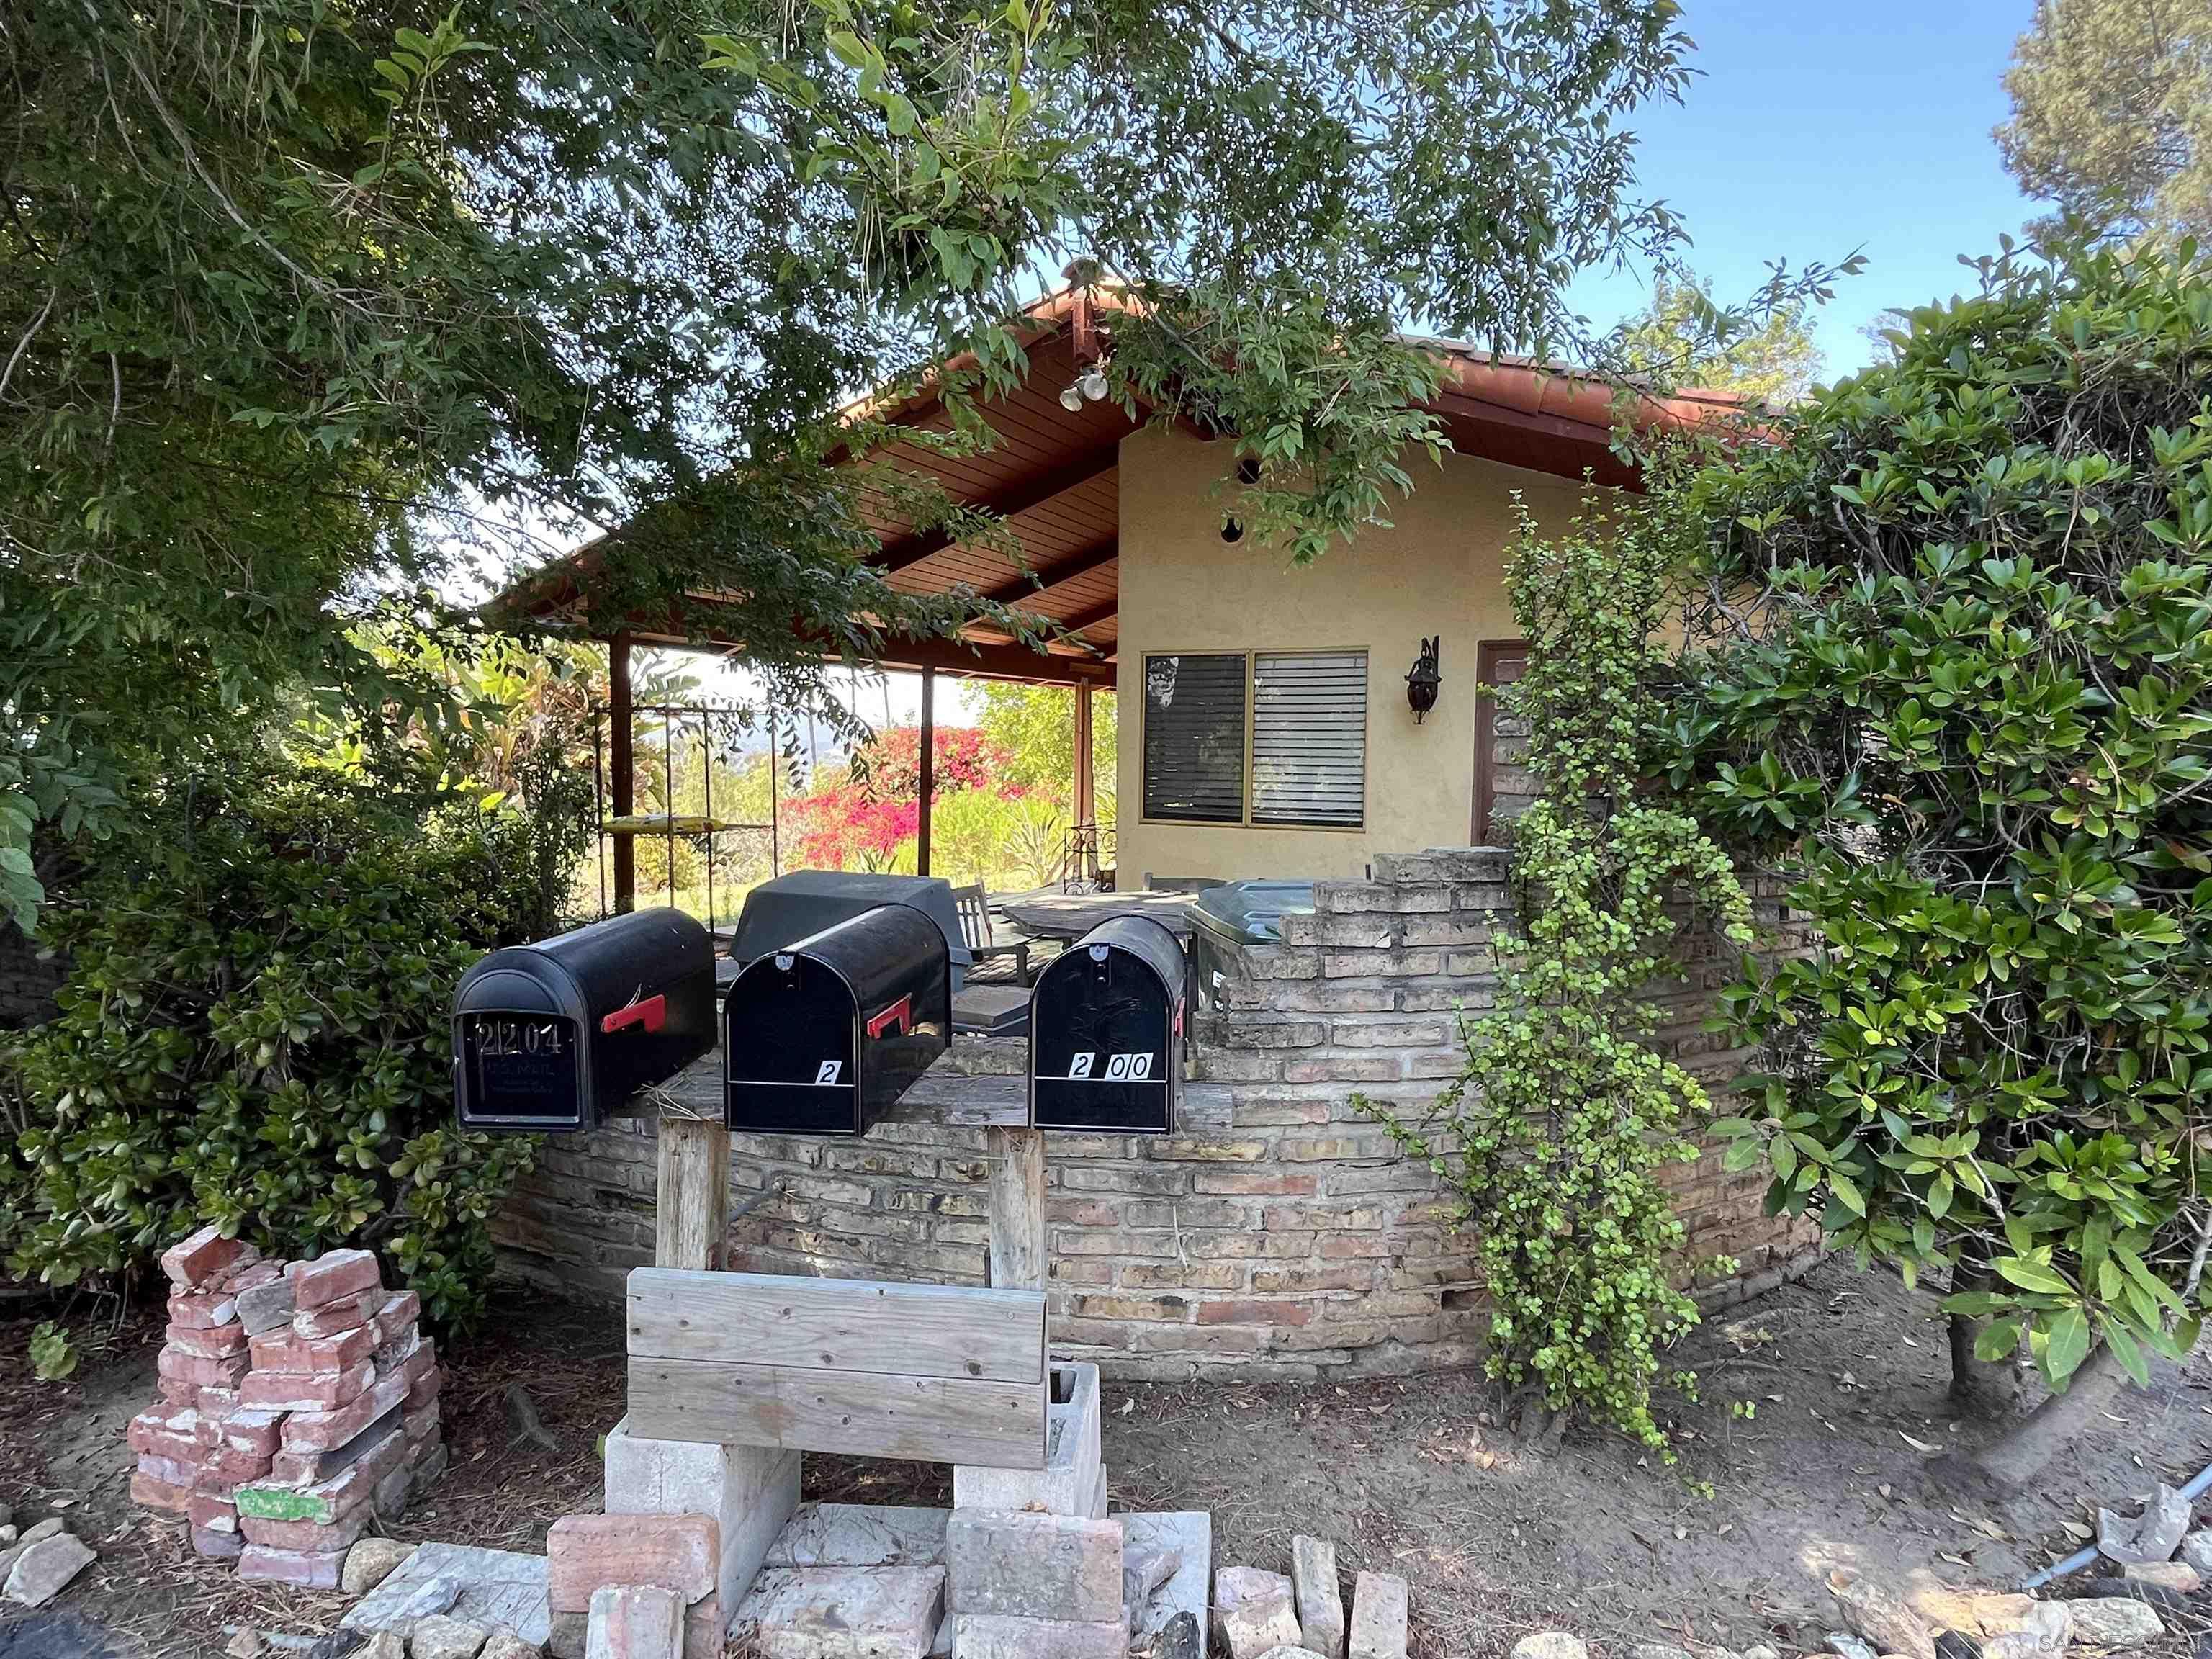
621, 765
928, 768
1017, 1236
1086, 787
691, 1201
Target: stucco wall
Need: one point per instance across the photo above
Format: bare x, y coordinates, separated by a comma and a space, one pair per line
1439, 569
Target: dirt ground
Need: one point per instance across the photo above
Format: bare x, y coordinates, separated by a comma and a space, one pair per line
1844, 1376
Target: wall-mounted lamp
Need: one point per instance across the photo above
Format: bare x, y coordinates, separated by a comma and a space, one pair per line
1424, 678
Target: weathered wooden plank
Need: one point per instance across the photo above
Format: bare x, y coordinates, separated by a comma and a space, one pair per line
838, 1324
691, 1201
945, 1095
1017, 1234
937, 1419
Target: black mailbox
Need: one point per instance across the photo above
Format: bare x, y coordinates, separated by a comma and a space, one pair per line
558, 1034
1106, 1025
822, 1035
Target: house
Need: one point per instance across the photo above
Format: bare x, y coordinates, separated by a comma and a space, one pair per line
1265, 725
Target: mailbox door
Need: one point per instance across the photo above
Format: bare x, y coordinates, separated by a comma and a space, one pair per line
1104, 1035
519, 1054
792, 1055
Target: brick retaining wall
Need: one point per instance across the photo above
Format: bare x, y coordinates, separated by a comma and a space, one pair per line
1296, 1238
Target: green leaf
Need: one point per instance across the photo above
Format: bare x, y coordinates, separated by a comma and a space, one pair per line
2067, 1345
2032, 1275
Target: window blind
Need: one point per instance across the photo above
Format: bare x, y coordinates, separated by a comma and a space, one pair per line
1194, 737
1310, 737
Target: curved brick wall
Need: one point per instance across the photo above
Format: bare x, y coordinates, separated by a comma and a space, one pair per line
1293, 1237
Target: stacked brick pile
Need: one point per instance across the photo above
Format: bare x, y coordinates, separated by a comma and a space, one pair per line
298, 1400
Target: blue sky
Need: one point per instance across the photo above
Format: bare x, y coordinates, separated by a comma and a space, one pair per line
1817, 128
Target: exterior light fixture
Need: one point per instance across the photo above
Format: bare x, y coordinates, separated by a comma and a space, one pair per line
1091, 384
1071, 399
1424, 678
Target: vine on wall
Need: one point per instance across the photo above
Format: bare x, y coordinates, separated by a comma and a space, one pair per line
1551, 1138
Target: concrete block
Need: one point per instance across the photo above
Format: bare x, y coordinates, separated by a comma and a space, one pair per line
995, 1635
1320, 1598
1188, 1536
489, 1587
751, 1493
1033, 1566
1074, 1470
1378, 1616
634, 1621
1253, 1611
842, 1612
860, 1535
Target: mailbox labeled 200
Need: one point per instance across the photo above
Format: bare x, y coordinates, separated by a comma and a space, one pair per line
825, 1034
1106, 1031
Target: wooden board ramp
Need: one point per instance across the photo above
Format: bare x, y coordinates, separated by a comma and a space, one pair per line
939, 1373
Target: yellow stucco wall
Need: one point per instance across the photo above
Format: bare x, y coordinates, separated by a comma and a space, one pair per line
1437, 569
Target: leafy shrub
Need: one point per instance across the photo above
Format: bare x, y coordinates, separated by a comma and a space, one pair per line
1955, 675
255, 1033
1552, 1137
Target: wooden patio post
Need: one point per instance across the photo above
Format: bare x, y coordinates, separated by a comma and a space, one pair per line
622, 782
692, 1195
1017, 1233
1086, 786
928, 768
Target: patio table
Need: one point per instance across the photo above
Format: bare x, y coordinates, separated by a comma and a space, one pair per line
1069, 916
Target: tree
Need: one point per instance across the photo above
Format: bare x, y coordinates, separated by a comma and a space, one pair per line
299, 306
1034, 726
1685, 339
1952, 671
2112, 112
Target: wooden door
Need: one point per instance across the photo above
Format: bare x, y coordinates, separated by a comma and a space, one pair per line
1501, 787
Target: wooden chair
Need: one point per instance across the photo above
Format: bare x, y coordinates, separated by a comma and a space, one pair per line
975, 906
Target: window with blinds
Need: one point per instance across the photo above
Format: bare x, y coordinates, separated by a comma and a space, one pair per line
1310, 737
1307, 730
1194, 737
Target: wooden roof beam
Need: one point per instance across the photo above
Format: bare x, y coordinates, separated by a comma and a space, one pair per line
1032, 582
1017, 498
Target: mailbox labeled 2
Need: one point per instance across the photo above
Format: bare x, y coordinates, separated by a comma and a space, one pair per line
822, 1036
1106, 1031
557, 1035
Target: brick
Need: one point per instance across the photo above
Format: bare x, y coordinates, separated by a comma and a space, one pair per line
1253, 1611
421, 1424
1254, 1313
201, 1311
1033, 1567
171, 1471
285, 1350
634, 1621
265, 1306
215, 1401
750, 1493
224, 1466
319, 1430
680, 1553
350, 1313
401, 1309
309, 1569
336, 1495
173, 1434
218, 1545
213, 1510
176, 1391
247, 1429
194, 1260
424, 1390
200, 1372
245, 1275
332, 1276
157, 1494
219, 1342
311, 1537
299, 1391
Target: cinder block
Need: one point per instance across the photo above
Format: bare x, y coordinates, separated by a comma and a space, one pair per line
1032, 1565
841, 1612
750, 1491
995, 1635
634, 1621
1073, 1475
